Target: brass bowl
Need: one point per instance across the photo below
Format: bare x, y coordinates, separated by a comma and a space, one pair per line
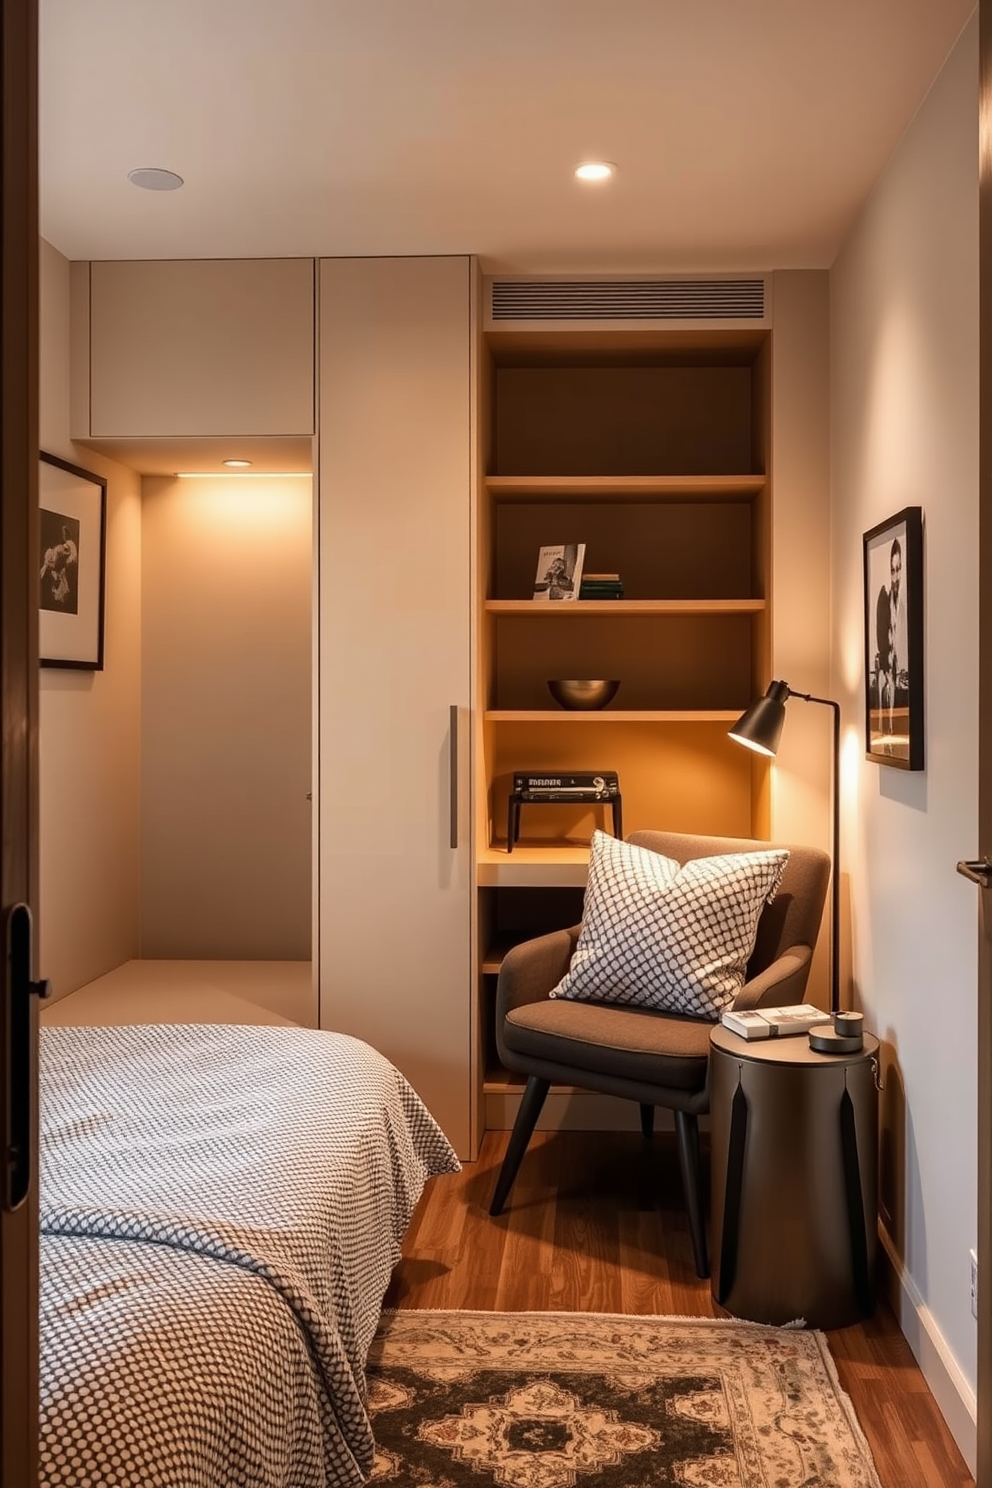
574, 693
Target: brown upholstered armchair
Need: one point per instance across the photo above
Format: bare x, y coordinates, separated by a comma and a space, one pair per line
652, 1057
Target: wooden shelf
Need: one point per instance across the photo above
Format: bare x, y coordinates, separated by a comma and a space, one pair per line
552, 866
612, 715
605, 609
497, 1081
626, 487
497, 949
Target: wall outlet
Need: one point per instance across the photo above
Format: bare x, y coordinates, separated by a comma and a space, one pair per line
974, 1283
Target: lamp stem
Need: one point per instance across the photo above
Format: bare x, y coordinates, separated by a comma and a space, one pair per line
835, 866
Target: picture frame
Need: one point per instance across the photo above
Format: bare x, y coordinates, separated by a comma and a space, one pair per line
559, 572
893, 632
72, 556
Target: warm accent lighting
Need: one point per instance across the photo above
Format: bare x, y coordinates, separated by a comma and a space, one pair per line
244, 475
237, 464
152, 178
595, 170
760, 728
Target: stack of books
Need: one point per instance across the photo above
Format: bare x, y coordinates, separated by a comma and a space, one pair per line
601, 586
774, 1022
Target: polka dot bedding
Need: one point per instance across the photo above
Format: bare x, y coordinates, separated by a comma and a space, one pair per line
221, 1209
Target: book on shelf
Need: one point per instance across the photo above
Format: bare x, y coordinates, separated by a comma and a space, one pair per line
601, 586
774, 1022
559, 571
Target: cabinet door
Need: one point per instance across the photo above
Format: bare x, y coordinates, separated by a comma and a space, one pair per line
394, 896
201, 347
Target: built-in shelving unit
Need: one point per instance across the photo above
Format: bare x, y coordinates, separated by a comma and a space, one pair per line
650, 450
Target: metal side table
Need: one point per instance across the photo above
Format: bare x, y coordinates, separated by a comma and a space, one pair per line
794, 1162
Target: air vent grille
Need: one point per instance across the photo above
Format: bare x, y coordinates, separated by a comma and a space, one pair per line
631, 299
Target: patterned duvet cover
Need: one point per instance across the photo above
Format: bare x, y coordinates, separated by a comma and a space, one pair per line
221, 1209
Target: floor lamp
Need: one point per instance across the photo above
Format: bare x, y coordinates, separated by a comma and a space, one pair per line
760, 728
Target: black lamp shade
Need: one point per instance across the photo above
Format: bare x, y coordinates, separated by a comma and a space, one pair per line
760, 726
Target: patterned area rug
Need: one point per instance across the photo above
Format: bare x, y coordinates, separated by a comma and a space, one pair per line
552, 1400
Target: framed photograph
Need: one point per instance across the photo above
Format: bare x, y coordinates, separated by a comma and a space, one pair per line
893, 576
71, 562
559, 571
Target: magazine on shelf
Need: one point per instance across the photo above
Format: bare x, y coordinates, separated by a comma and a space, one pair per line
774, 1022
559, 571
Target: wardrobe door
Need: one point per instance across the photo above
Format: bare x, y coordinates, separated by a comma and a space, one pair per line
394, 676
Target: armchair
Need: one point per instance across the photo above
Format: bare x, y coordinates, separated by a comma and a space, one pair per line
652, 1057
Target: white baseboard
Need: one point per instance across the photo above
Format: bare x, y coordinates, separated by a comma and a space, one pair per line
950, 1389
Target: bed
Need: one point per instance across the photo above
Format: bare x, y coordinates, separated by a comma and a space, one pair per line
221, 1209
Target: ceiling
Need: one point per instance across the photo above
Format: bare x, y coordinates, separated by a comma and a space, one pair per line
747, 132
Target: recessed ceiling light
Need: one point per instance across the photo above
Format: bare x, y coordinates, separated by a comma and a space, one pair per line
236, 464
153, 179
595, 170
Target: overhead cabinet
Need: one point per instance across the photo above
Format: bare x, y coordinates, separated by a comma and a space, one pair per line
193, 348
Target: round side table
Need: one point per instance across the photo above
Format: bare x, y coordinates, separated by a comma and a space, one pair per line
794, 1143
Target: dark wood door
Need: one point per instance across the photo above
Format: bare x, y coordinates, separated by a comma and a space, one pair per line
18, 735
984, 1473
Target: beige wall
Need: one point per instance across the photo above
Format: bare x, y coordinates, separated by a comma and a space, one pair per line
173, 812
89, 721
226, 718
904, 403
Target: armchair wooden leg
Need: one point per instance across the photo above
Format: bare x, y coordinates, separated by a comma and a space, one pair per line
647, 1121
523, 1129
687, 1130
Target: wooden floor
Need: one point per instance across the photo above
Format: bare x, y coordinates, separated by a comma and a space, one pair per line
585, 1231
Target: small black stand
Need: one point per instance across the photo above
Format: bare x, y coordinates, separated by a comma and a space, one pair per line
518, 799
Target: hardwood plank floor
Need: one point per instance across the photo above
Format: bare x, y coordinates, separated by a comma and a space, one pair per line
595, 1224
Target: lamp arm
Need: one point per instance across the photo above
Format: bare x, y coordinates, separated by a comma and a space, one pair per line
808, 697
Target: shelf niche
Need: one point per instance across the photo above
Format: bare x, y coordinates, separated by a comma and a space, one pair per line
685, 777
662, 419
662, 550
674, 663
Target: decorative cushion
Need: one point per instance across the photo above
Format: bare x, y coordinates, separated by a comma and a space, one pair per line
667, 936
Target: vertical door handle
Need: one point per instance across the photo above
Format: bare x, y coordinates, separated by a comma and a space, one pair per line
19, 1119
453, 751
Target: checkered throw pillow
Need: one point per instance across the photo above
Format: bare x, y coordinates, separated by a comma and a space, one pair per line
659, 935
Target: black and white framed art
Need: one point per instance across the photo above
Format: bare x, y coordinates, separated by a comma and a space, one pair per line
893, 592
72, 525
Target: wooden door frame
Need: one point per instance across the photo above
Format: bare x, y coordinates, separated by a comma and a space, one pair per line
984, 1381
18, 681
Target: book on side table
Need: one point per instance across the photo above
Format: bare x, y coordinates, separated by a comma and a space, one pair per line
774, 1022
